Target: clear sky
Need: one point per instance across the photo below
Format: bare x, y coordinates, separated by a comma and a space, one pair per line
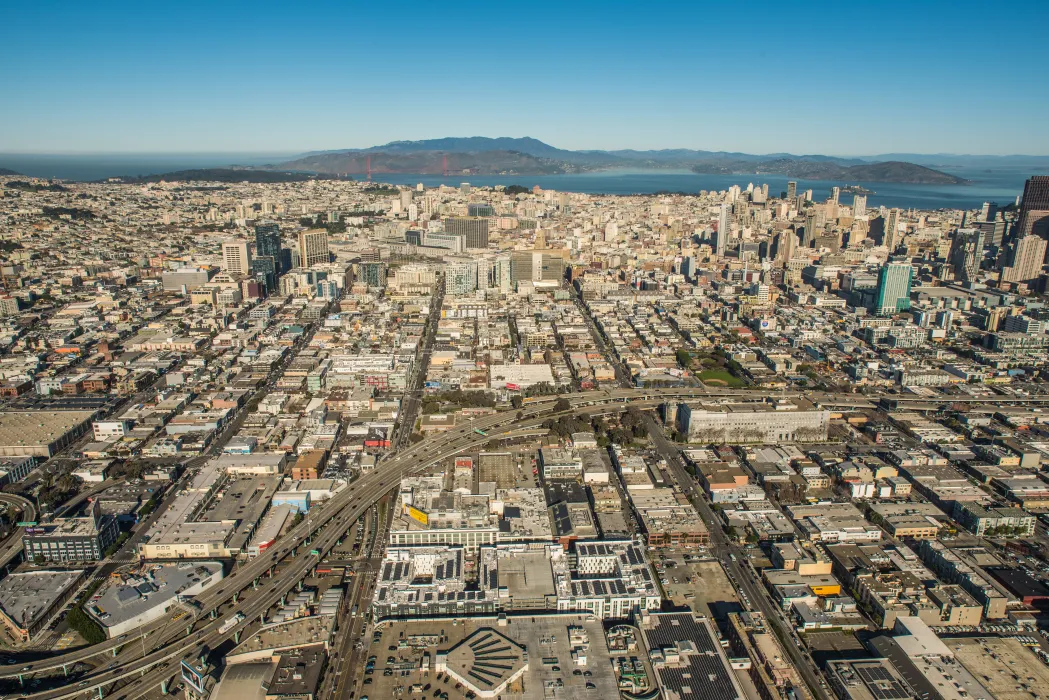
843, 78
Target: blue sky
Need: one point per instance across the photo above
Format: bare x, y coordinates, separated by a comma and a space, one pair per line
804, 77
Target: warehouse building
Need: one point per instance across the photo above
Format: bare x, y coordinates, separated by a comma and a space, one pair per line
793, 420
149, 593
40, 433
30, 600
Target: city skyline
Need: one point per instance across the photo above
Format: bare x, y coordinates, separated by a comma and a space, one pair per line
112, 80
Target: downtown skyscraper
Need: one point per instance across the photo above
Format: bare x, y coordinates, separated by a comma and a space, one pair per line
966, 253
894, 288
268, 264
313, 247
1034, 208
724, 227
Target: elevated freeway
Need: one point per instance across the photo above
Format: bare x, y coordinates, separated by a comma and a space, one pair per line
11, 548
150, 655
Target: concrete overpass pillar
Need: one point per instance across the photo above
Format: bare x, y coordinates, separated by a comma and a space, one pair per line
164, 687
189, 630
114, 651
235, 598
299, 585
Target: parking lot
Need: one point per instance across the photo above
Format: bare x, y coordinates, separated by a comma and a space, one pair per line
701, 585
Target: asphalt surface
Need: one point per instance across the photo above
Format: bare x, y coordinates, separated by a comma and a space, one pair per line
170, 645
730, 554
12, 546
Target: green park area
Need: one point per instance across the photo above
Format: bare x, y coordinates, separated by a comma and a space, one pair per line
718, 377
713, 368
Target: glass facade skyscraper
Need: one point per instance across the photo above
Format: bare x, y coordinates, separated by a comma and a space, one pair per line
267, 265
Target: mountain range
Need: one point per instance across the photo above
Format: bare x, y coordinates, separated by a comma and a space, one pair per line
478, 155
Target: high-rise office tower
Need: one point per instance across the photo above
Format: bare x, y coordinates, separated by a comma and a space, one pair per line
1025, 259
724, 228
809, 234
1034, 208
373, 274
786, 242
966, 253
858, 232
313, 247
480, 209
859, 205
236, 257
688, 267
267, 265
267, 243
989, 211
835, 194
461, 277
792, 190
894, 288
475, 230
892, 229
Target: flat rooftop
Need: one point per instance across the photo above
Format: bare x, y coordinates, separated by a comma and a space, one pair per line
690, 663
1008, 663
27, 432
546, 638
298, 672
870, 679
523, 574
244, 681
148, 587
302, 631
28, 595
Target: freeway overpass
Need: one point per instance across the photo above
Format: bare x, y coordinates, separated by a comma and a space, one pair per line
328, 522
11, 548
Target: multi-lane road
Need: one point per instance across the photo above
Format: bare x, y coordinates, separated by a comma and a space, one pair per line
173, 643
720, 545
12, 546
152, 654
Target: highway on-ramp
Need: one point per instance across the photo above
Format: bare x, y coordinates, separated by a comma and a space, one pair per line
153, 653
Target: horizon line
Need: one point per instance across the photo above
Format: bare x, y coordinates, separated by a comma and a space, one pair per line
302, 151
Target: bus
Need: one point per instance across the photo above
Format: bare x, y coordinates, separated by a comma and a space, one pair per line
480, 432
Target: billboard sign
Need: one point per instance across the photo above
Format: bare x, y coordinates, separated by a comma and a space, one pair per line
418, 515
193, 678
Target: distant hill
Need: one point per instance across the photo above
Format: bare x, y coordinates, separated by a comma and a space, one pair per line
5, 171
224, 175
431, 163
891, 171
479, 155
